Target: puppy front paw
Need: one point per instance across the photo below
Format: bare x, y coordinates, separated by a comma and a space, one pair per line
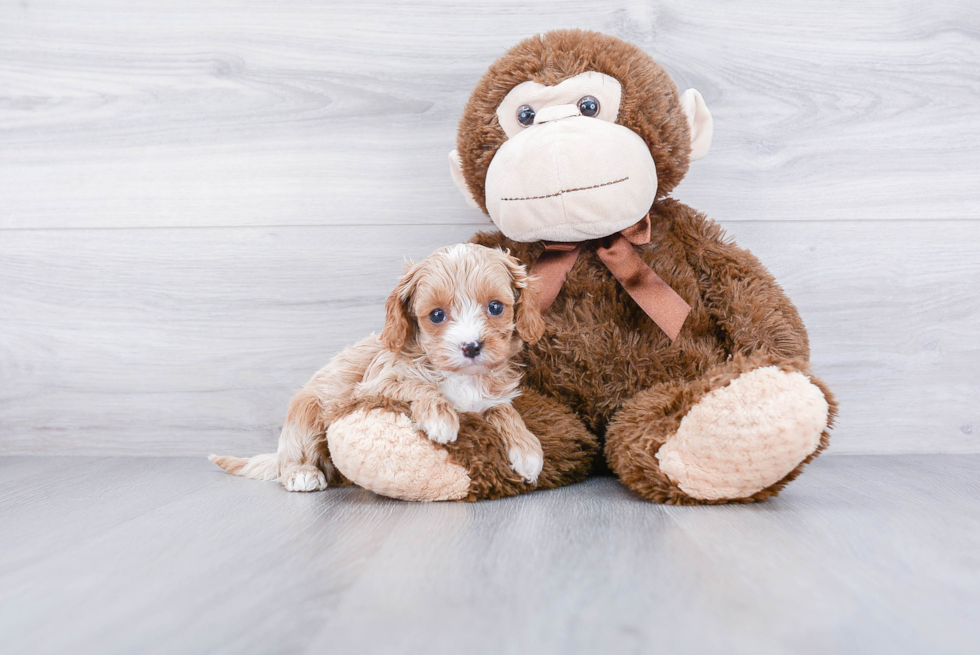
526, 463
437, 419
304, 478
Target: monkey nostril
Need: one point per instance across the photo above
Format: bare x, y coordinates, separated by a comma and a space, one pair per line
472, 349
556, 113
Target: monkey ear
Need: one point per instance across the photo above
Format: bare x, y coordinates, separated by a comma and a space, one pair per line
398, 321
527, 309
456, 170
699, 120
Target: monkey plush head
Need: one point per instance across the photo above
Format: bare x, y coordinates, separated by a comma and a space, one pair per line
572, 135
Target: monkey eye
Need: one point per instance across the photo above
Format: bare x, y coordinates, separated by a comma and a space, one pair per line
525, 115
588, 106
495, 308
437, 316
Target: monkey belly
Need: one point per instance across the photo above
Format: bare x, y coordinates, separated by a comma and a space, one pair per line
600, 349
595, 371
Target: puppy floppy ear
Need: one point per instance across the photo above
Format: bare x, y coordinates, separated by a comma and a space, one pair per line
527, 309
398, 320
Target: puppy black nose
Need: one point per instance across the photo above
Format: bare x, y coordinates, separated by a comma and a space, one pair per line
472, 349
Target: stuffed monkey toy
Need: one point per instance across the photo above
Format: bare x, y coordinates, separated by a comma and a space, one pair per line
670, 354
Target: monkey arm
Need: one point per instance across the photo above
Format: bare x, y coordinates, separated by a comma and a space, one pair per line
741, 295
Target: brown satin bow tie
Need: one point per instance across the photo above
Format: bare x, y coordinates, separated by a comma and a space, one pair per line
661, 303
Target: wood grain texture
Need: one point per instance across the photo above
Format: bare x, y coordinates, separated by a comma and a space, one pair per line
190, 341
264, 167
120, 113
861, 555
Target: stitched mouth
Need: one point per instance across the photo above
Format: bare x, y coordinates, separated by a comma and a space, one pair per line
560, 193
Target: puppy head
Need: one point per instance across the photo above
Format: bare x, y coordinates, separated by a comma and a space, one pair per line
468, 306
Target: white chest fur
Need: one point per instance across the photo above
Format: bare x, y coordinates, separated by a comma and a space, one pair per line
468, 393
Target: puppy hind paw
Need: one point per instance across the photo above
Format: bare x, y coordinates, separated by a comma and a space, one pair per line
304, 478
527, 464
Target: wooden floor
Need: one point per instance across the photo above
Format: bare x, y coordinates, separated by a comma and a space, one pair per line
864, 554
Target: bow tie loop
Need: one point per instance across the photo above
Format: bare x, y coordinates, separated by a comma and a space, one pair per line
661, 303
639, 233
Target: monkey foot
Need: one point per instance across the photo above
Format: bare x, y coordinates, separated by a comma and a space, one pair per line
746, 436
383, 452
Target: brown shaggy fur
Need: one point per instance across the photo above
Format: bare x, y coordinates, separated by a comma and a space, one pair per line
568, 449
596, 354
601, 353
650, 105
602, 357
603, 368
642, 426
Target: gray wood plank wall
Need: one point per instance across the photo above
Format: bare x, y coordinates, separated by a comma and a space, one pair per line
201, 203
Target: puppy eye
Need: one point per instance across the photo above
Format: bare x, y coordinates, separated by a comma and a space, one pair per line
588, 106
495, 308
437, 316
525, 115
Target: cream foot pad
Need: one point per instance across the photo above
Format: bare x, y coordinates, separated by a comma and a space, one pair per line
746, 436
380, 451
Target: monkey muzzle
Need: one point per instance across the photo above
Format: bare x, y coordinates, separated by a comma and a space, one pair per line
568, 177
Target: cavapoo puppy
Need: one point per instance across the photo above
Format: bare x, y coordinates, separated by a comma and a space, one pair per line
453, 327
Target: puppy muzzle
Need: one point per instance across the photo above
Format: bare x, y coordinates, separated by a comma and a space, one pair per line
472, 349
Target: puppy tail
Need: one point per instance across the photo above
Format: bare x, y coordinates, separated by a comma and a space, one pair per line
260, 467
